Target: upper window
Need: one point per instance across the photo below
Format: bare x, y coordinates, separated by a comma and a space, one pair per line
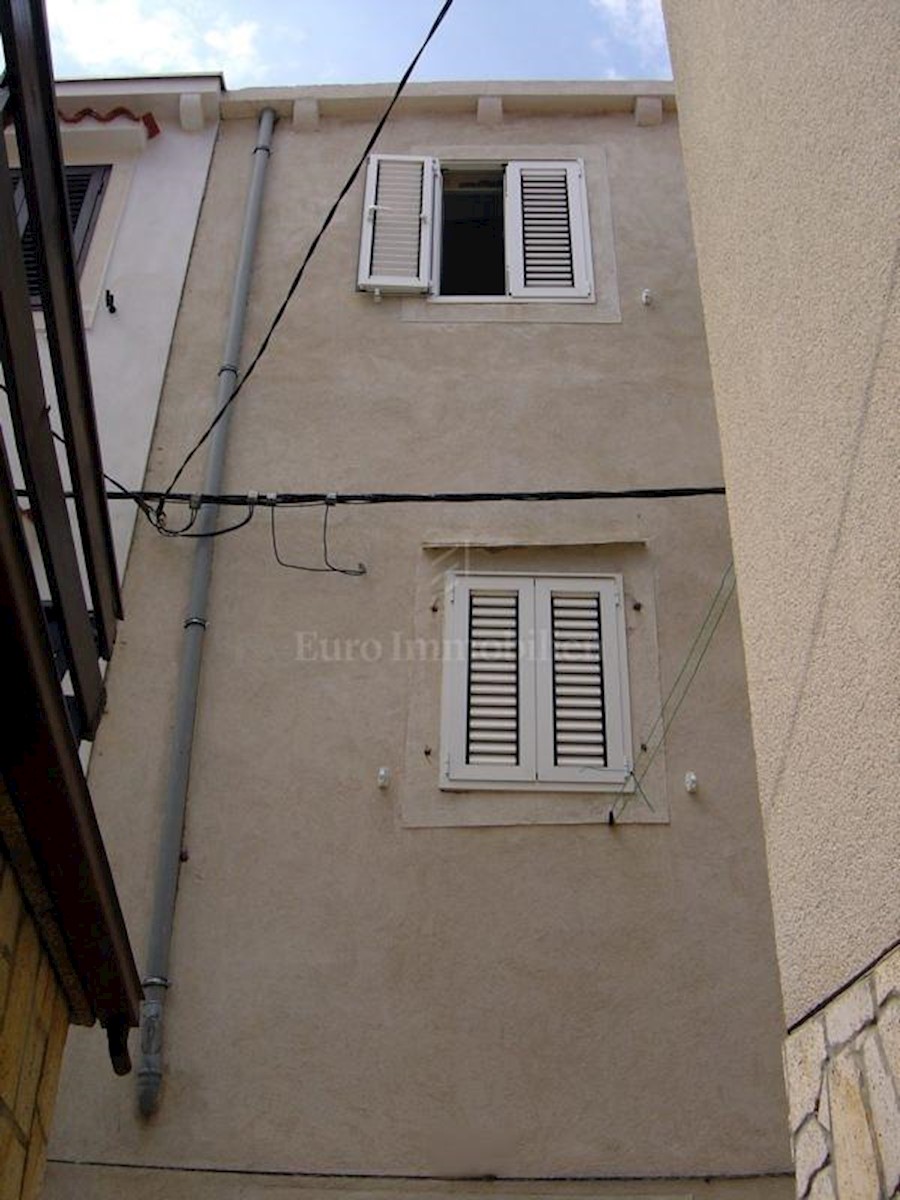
474, 231
535, 683
84, 189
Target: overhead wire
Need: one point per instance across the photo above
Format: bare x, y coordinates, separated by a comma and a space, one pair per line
299, 499
122, 491
329, 565
653, 741
298, 274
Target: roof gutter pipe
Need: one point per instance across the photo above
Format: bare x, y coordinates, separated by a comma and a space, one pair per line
156, 982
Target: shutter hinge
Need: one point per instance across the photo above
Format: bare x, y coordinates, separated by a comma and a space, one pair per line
452, 593
447, 766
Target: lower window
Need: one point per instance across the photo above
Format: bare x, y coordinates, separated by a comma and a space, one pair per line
535, 687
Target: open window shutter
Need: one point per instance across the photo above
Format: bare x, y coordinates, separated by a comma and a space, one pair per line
548, 251
84, 188
489, 680
581, 681
395, 248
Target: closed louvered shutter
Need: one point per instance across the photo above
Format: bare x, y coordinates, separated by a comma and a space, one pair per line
84, 188
547, 242
577, 669
395, 248
489, 679
535, 683
492, 720
582, 685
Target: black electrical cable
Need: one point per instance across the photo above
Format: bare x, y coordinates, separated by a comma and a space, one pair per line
315, 499
295, 282
124, 493
329, 565
251, 512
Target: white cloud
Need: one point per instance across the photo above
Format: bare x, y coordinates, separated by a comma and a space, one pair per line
639, 25
134, 36
235, 45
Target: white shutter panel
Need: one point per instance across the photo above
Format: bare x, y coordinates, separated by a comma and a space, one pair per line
489, 680
581, 681
395, 248
548, 250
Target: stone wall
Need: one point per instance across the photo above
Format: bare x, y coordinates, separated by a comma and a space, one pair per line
33, 1022
842, 1068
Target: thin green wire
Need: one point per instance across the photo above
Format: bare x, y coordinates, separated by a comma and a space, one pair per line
648, 737
707, 636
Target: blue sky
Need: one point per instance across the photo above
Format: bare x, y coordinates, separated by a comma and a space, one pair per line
349, 41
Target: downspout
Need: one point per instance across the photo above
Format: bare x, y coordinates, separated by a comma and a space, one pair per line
156, 981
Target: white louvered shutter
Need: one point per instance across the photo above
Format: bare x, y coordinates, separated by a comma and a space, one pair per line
489, 680
582, 689
548, 251
395, 247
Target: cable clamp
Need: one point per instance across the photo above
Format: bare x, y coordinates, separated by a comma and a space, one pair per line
201, 621
226, 367
155, 981
195, 501
331, 498
252, 498
266, 149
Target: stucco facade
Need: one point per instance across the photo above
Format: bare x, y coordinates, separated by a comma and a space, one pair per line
789, 117
389, 981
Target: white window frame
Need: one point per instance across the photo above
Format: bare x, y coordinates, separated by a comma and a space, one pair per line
536, 770
431, 224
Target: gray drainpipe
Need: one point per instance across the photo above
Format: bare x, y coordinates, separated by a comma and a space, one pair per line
150, 1071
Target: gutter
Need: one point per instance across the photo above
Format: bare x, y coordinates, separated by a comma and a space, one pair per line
157, 980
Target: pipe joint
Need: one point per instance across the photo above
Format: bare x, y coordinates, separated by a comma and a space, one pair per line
155, 981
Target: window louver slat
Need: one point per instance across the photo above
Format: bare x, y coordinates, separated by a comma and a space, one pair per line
492, 721
546, 229
396, 237
579, 726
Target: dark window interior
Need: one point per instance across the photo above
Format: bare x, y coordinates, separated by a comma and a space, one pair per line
472, 258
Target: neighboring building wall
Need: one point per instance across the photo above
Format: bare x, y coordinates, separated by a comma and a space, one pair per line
789, 123
34, 1019
362, 984
843, 1070
139, 252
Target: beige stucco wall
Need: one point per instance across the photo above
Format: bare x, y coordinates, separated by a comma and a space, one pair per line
789, 122
352, 994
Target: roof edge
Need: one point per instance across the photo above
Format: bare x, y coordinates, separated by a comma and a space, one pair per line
526, 97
